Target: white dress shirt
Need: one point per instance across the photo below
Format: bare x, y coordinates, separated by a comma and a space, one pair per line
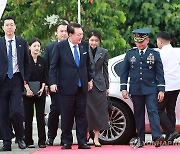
171, 64
14, 53
143, 50
72, 48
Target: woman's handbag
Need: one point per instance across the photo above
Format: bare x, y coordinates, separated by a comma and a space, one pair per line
34, 86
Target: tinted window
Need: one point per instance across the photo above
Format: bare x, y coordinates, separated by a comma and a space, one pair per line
118, 68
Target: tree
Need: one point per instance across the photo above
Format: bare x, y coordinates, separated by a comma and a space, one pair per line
115, 19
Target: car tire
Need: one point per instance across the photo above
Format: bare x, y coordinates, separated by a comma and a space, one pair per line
121, 125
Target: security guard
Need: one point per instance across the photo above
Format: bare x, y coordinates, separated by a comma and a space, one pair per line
144, 67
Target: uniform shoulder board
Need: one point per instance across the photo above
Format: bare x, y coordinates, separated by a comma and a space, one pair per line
134, 48
153, 50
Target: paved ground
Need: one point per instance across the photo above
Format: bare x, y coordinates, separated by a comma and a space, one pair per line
16, 150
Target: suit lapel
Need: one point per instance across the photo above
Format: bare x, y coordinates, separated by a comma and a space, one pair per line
69, 52
4, 48
146, 53
91, 56
137, 54
97, 55
81, 51
18, 49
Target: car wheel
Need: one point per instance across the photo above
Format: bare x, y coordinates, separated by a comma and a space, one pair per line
121, 125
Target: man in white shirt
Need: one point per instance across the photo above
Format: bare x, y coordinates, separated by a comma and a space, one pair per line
14, 74
171, 64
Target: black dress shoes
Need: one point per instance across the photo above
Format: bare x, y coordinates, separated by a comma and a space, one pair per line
83, 146
21, 144
173, 136
42, 145
158, 141
136, 143
49, 142
6, 148
66, 146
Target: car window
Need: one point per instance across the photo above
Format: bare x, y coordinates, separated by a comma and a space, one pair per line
118, 68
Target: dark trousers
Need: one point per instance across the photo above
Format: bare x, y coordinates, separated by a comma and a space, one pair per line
11, 108
39, 103
53, 119
166, 111
150, 101
73, 107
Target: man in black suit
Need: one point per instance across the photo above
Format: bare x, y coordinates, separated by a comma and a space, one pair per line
15, 71
71, 60
53, 119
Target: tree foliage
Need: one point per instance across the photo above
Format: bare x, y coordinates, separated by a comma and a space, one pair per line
115, 19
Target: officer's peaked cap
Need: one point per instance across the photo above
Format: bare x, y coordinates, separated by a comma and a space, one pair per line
141, 34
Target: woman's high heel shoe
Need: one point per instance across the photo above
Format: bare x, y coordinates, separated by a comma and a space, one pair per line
97, 144
88, 139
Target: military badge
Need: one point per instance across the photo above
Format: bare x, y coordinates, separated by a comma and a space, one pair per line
150, 59
133, 59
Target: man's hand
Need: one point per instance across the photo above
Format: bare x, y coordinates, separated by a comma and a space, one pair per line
160, 96
125, 94
90, 85
53, 88
107, 92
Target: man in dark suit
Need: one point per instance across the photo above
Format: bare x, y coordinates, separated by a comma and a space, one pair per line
144, 67
53, 119
71, 60
15, 71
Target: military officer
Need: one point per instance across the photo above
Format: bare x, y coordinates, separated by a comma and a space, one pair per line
147, 85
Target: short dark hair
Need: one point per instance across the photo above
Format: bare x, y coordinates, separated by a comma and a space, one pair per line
164, 35
34, 39
63, 22
94, 32
71, 26
8, 18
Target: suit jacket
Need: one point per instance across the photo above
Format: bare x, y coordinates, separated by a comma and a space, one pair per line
146, 75
69, 73
100, 68
22, 58
48, 53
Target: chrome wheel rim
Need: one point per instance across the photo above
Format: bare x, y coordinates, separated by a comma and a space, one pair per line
117, 125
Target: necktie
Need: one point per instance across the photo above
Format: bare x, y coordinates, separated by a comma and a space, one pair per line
76, 58
10, 63
141, 52
76, 55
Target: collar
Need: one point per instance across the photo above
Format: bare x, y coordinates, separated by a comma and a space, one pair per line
143, 50
167, 46
7, 39
72, 45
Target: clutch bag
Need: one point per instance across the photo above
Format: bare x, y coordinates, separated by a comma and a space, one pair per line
34, 86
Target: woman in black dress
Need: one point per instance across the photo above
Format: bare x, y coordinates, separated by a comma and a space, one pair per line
39, 72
